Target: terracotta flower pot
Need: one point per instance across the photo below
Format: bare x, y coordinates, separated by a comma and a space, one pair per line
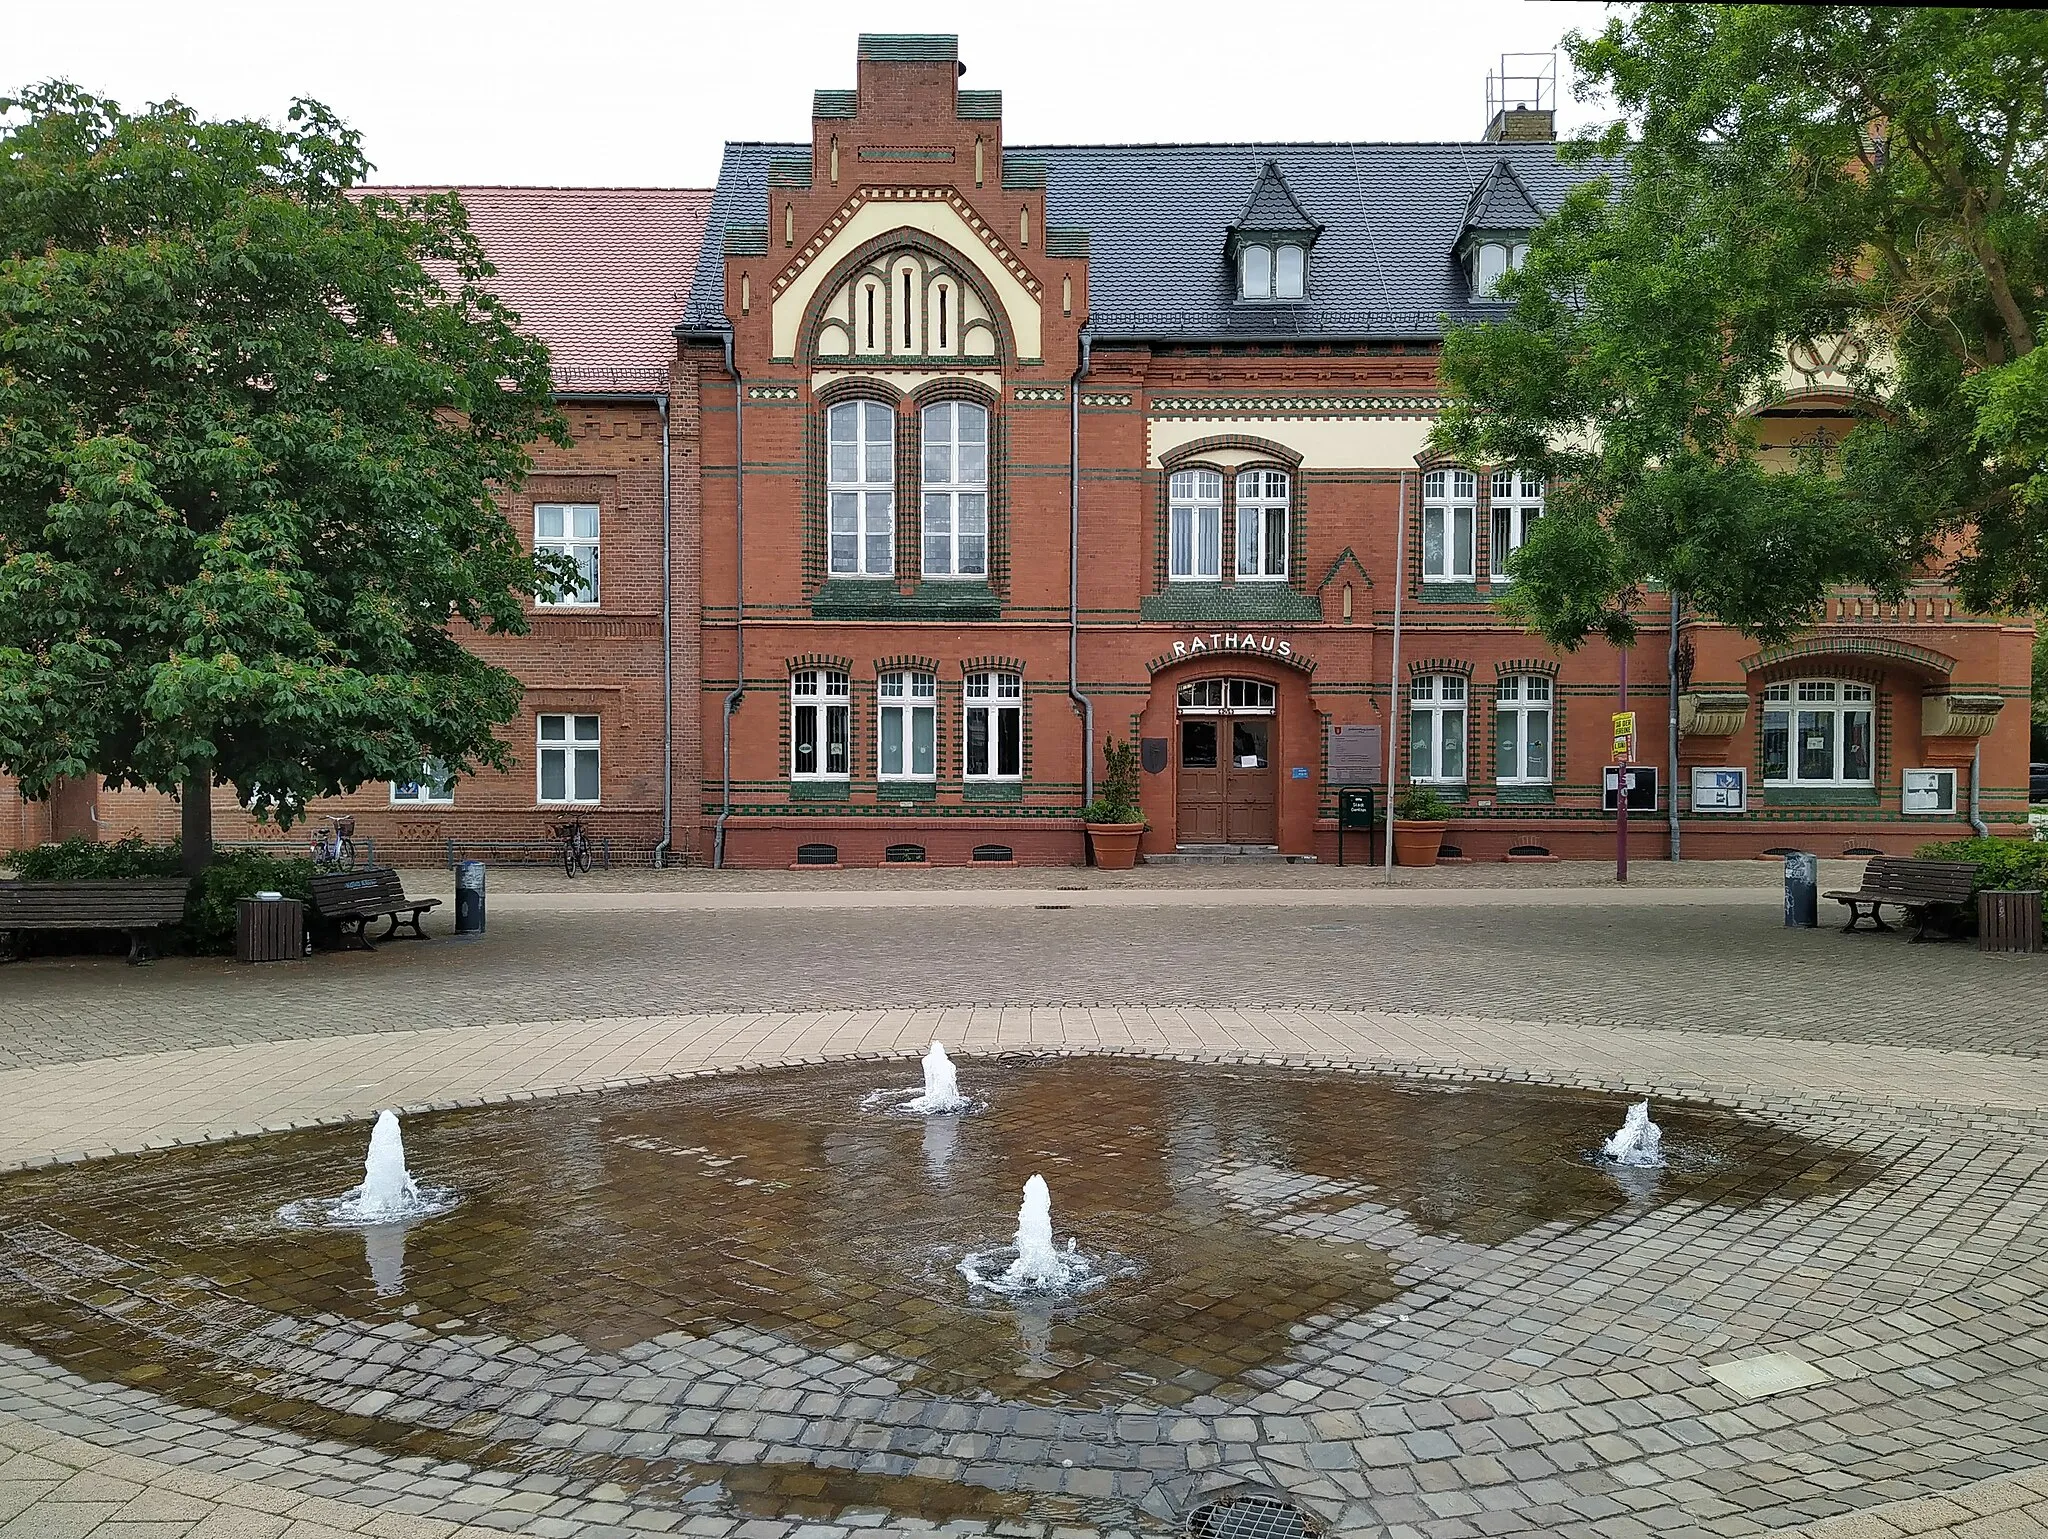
1115, 844
1417, 844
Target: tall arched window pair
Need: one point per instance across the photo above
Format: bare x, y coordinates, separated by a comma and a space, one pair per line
860, 480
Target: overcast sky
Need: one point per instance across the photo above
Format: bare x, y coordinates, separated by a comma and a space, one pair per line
625, 93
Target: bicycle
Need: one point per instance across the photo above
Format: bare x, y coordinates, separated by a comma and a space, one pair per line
335, 845
575, 848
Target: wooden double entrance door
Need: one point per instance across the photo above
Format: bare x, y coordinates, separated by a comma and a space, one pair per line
1228, 788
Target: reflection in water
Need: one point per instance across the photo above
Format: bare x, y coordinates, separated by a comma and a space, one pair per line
941, 1138
1034, 1327
384, 1249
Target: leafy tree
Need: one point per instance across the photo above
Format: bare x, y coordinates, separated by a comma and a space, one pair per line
251, 425
1779, 175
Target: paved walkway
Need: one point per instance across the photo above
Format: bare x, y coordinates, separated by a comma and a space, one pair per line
1914, 1295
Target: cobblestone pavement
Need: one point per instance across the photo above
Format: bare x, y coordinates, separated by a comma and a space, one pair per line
1715, 959
1559, 1384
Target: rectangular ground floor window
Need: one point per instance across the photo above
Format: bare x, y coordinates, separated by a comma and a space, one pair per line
569, 759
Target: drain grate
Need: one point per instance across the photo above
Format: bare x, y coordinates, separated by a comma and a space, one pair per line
1249, 1517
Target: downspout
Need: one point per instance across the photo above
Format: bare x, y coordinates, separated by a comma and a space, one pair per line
1081, 701
1977, 823
739, 589
1671, 678
668, 656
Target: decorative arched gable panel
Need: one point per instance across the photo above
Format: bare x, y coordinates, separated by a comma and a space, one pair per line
907, 301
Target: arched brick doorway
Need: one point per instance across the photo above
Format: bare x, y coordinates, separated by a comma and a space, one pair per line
1228, 787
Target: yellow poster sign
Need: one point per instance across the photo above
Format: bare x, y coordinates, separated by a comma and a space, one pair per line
1624, 735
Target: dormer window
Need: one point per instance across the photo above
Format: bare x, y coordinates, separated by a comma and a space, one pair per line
1271, 272
1494, 240
1269, 243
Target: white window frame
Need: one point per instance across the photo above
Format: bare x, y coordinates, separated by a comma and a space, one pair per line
1286, 284
825, 694
1520, 698
1194, 505
958, 494
1434, 698
860, 504
1450, 502
435, 787
1517, 505
580, 548
573, 748
913, 697
1255, 282
1225, 696
995, 696
1796, 700
1265, 498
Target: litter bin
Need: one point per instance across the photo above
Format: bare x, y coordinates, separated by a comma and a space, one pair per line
469, 897
269, 929
1802, 890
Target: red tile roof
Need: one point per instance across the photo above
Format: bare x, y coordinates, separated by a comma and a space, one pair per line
601, 274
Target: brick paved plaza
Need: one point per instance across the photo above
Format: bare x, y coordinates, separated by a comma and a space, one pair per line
1581, 1369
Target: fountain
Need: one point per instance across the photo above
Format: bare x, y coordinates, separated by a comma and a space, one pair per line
1036, 1264
1638, 1142
388, 1194
941, 1086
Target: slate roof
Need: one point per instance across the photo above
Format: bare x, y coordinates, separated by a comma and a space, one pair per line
1501, 202
1158, 218
601, 274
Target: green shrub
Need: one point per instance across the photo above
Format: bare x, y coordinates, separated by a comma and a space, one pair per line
1421, 804
2009, 865
210, 910
1119, 793
86, 860
209, 926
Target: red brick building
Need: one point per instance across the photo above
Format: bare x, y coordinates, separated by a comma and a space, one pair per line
1006, 450
977, 454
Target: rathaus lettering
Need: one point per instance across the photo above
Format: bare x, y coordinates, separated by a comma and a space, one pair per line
1232, 641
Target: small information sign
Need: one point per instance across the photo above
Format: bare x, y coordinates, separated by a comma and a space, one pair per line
1720, 788
1642, 787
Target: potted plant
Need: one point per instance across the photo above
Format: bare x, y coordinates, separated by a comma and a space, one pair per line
1420, 818
1114, 822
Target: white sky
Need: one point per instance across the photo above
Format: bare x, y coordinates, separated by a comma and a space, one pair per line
630, 93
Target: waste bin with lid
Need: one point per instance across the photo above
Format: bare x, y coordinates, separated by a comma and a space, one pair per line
269, 928
1802, 890
469, 897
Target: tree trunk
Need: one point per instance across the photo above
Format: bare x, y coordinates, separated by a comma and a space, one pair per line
196, 820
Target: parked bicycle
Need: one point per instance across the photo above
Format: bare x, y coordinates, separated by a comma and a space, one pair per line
334, 847
575, 847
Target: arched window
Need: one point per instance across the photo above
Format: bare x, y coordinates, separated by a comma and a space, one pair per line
995, 726
817, 724
955, 489
1203, 696
1255, 272
1522, 714
1195, 526
1436, 728
906, 743
1487, 266
1449, 500
1517, 504
1819, 732
1262, 525
860, 489
1290, 263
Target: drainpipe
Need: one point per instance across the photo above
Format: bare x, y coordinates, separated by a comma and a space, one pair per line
1671, 679
1977, 822
739, 588
668, 656
1394, 665
1081, 701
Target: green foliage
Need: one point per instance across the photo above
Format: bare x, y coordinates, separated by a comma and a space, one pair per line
210, 910
2040, 733
1117, 798
87, 860
2004, 864
252, 427
1421, 804
209, 925
1780, 175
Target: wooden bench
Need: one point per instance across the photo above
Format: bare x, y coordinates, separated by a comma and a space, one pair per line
348, 900
140, 906
1923, 888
